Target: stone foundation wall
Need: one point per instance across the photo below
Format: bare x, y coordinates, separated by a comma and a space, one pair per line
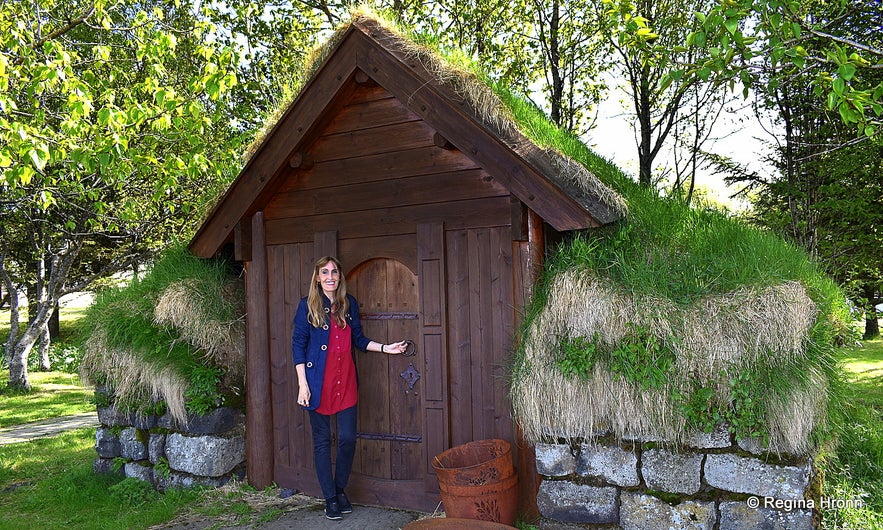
208, 450
713, 483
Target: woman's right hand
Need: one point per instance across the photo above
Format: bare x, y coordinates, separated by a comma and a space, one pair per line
303, 395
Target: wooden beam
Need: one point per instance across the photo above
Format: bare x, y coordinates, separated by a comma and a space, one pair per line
258, 404
363, 79
309, 113
441, 141
519, 219
300, 160
242, 243
531, 267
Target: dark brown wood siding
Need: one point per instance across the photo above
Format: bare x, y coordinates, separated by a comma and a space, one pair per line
481, 320
379, 187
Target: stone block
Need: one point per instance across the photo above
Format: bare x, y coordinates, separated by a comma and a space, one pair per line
184, 481
219, 420
112, 417
718, 438
156, 447
649, 437
206, 455
645, 512
554, 460
671, 472
751, 445
131, 447
141, 421
752, 476
551, 524
136, 470
612, 464
739, 516
568, 502
105, 466
107, 444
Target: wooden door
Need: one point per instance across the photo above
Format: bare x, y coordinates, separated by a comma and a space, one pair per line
390, 448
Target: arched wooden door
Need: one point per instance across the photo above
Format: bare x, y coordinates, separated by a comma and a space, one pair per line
390, 452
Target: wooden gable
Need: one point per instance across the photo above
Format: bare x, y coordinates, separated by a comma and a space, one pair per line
421, 105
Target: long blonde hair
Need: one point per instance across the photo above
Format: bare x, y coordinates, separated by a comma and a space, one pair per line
315, 304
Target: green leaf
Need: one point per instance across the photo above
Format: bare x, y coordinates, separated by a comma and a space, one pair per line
839, 86
732, 24
104, 116
847, 114
846, 71
24, 174
36, 159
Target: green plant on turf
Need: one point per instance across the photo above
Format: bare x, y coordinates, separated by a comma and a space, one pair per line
124, 320
49, 483
202, 394
642, 359
577, 356
852, 465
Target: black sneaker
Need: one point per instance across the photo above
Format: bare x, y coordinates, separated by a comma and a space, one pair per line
332, 510
345, 505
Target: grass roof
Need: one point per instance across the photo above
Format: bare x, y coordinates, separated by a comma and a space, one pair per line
725, 313
175, 335
730, 322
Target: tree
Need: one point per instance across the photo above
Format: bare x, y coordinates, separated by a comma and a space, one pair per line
826, 195
839, 39
647, 37
111, 125
573, 56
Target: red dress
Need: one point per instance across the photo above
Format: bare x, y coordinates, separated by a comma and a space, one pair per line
340, 390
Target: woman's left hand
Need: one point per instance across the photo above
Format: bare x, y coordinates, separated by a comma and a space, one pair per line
396, 347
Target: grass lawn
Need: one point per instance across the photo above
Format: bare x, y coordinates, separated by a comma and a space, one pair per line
854, 470
49, 483
53, 394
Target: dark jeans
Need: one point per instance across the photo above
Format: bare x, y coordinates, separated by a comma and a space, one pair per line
334, 483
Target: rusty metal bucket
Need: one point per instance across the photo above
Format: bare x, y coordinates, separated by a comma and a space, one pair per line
474, 463
477, 481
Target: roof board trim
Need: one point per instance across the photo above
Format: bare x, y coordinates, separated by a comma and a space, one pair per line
530, 172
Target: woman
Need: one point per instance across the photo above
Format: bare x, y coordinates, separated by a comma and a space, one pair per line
326, 327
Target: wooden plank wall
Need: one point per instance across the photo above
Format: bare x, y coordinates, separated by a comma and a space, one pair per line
481, 327
377, 172
294, 263
378, 179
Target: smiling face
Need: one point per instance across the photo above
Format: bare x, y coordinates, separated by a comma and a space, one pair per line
328, 277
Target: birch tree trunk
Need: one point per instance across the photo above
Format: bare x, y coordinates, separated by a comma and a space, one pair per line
59, 265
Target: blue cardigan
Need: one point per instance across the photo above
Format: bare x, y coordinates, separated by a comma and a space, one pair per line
309, 344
